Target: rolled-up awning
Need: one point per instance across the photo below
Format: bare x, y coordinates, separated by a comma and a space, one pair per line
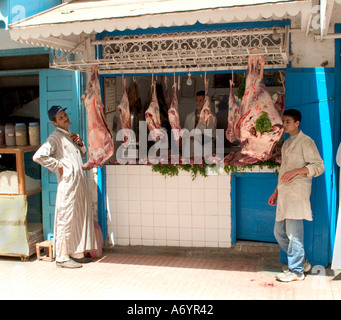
71, 26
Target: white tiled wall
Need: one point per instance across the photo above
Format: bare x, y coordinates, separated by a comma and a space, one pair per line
145, 208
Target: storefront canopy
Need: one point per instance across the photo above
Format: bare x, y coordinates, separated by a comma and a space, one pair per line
71, 26
60, 26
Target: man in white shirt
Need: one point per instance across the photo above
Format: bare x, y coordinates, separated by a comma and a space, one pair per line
193, 122
300, 162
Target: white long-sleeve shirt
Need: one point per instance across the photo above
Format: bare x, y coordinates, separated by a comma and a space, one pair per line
293, 200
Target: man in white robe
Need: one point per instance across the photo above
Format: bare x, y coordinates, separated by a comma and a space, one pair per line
73, 225
336, 263
195, 127
300, 162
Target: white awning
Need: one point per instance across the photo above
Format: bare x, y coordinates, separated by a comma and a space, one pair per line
66, 26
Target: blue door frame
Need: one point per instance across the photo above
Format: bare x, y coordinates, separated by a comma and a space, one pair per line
65, 87
337, 133
57, 87
101, 199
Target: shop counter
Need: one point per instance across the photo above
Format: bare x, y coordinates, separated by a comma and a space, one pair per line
20, 202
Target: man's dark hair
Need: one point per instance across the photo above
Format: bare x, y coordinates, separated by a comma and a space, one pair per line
200, 93
295, 114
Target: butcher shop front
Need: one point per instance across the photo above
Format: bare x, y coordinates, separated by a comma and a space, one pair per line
154, 60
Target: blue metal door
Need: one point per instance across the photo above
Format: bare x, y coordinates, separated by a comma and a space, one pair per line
57, 87
312, 91
254, 218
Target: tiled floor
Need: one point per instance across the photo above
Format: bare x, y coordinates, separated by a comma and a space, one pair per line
136, 276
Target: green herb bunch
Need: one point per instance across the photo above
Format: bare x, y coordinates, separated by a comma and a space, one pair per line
263, 123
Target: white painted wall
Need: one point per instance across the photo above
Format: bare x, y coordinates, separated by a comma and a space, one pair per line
7, 43
144, 208
308, 53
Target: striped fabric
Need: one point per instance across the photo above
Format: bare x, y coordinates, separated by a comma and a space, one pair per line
73, 222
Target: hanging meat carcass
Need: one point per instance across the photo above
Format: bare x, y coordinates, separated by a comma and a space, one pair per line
124, 110
173, 116
166, 90
100, 141
232, 132
259, 126
206, 114
135, 106
152, 116
279, 105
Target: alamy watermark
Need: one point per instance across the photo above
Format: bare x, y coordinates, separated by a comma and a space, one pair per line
316, 21
18, 13
196, 146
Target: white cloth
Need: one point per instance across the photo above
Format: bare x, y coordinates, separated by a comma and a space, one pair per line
336, 263
73, 224
293, 200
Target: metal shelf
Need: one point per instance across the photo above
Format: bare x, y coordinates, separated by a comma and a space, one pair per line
183, 52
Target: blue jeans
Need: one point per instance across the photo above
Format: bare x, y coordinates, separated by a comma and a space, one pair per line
289, 235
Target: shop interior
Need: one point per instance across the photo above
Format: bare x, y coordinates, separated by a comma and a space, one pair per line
139, 92
19, 105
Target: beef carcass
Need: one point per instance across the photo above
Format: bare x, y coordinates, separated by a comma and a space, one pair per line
100, 140
166, 89
232, 133
279, 105
173, 116
206, 114
152, 116
257, 107
124, 110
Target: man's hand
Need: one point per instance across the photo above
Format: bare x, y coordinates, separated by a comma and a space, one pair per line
60, 169
273, 198
76, 139
289, 175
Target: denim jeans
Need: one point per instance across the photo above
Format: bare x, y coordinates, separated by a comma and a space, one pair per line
289, 234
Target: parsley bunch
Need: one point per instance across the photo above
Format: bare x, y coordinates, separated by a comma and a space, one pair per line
263, 123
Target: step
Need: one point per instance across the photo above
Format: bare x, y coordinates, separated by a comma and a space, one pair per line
247, 249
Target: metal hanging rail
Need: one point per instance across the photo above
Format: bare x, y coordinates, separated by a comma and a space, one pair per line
183, 52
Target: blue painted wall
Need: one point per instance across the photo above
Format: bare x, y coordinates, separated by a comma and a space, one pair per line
15, 10
316, 93
313, 92
337, 133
